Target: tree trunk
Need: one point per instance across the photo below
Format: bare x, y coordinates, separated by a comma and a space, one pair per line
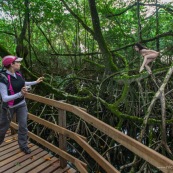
21, 49
108, 59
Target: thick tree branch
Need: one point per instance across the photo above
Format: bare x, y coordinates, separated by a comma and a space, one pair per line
8, 33
76, 54
124, 116
59, 93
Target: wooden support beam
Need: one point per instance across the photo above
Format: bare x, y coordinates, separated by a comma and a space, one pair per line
62, 138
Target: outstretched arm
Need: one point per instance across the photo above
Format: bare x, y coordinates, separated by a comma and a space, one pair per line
40, 79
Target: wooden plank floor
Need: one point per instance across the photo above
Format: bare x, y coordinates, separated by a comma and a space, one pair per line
13, 160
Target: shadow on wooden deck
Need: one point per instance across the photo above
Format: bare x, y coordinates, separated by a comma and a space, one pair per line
13, 160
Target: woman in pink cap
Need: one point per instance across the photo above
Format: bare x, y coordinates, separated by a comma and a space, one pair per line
13, 90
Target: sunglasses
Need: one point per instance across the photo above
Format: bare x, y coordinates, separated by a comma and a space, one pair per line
16, 62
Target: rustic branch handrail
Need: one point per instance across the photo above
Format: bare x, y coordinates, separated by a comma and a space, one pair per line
94, 154
54, 127
151, 156
53, 148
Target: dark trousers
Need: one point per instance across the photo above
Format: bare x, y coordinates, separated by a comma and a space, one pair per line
6, 115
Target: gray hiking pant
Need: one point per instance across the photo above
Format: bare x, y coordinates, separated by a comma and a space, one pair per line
21, 112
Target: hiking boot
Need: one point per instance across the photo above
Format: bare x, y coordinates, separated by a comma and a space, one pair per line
1, 141
26, 150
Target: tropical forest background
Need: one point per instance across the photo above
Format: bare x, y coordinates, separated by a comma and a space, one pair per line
84, 49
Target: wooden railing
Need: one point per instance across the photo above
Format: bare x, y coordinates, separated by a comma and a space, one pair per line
151, 156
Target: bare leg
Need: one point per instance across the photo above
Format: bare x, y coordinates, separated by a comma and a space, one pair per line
148, 69
149, 58
143, 64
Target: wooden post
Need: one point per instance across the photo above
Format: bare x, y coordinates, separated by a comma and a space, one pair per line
62, 138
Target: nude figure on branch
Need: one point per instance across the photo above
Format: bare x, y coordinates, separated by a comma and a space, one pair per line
148, 55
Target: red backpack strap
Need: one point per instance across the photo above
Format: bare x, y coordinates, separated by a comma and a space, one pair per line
10, 103
19, 74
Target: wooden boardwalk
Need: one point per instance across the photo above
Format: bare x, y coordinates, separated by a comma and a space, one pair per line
13, 160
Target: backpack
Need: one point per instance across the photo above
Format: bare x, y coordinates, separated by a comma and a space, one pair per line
4, 79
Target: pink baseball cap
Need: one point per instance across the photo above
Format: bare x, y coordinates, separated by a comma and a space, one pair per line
7, 60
